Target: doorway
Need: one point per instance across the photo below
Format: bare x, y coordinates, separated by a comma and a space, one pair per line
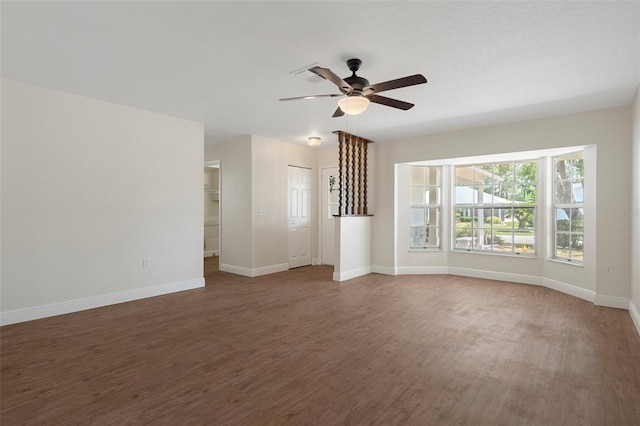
212, 209
299, 216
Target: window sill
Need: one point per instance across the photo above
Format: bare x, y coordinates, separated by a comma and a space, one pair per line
488, 253
566, 262
426, 249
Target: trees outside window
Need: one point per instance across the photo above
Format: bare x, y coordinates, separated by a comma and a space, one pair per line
495, 207
568, 205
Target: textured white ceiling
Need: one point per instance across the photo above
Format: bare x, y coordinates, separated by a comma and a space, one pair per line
227, 63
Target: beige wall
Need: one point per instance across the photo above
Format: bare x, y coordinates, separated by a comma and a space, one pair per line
89, 190
235, 199
609, 131
253, 175
635, 206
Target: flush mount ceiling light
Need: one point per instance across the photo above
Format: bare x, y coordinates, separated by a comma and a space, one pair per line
314, 141
353, 104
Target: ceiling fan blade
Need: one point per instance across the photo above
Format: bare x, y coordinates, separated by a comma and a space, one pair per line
332, 95
338, 113
382, 100
411, 80
327, 74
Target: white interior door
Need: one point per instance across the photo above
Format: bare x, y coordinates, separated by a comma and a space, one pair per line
299, 217
329, 203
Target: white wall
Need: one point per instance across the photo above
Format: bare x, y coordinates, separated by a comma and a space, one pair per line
89, 189
609, 130
635, 213
253, 173
235, 202
271, 159
353, 247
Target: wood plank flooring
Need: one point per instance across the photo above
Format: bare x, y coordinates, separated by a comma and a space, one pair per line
296, 348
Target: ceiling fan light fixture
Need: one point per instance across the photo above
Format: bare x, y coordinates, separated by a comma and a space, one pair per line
314, 141
354, 105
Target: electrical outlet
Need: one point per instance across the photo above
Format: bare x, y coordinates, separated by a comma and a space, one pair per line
608, 270
146, 263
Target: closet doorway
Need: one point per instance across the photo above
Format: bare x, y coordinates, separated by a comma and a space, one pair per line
212, 209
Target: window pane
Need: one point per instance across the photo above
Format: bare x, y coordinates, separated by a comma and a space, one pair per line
504, 242
486, 238
417, 216
525, 194
484, 174
432, 195
464, 175
577, 255
562, 219
526, 172
417, 195
482, 195
433, 236
503, 173
418, 236
433, 176
417, 175
524, 217
503, 193
577, 224
433, 216
577, 191
464, 195
564, 192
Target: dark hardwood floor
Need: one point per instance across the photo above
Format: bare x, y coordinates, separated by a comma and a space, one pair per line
296, 348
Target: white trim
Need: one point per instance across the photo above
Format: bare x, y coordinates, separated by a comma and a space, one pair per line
352, 273
569, 289
611, 301
238, 270
635, 316
316, 261
66, 307
385, 270
499, 276
418, 270
208, 253
271, 269
255, 272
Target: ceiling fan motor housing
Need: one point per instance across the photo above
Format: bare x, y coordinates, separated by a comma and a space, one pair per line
357, 82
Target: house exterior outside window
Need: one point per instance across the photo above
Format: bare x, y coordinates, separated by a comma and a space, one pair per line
495, 207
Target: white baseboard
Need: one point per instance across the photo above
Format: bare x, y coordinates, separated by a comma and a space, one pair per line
271, 269
44, 311
422, 270
352, 273
385, 270
635, 316
569, 289
498, 276
208, 253
253, 272
316, 261
611, 301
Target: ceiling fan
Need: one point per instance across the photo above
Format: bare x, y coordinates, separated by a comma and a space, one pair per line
359, 93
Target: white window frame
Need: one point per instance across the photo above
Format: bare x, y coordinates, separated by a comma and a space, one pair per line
472, 243
427, 206
555, 206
